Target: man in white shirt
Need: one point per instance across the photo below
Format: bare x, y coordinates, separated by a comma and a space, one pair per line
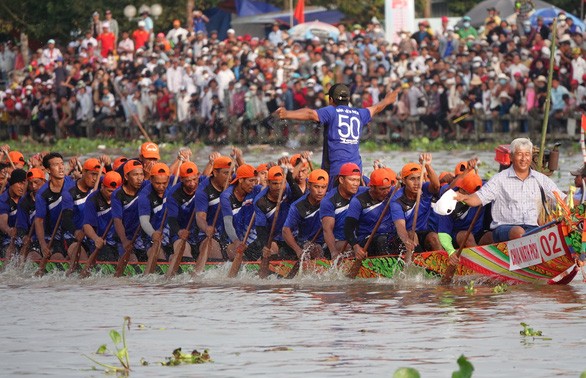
126, 47
88, 39
224, 77
177, 33
174, 77
50, 54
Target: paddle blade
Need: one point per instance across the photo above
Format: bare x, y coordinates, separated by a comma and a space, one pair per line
355, 268
448, 275
202, 258
294, 270
264, 267
236, 263
153, 254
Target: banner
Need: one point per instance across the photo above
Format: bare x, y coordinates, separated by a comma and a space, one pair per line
300, 12
399, 15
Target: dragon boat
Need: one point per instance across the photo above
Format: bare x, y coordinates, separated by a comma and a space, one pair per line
542, 257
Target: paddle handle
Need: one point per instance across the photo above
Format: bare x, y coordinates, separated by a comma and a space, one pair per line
45, 259
75, 260
153, 258
240, 250
123, 260
451, 270
409, 253
264, 263
24, 250
91, 261
175, 263
97, 184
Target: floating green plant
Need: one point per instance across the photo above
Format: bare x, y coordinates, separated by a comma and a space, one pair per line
180, 358
121, 350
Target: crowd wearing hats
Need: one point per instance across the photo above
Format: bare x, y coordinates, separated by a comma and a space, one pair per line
186, 81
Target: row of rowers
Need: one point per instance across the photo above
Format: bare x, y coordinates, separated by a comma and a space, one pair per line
150, 202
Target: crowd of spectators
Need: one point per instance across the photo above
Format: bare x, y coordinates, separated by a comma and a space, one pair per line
185, 81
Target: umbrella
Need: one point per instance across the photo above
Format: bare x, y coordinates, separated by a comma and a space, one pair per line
308, 30
504, 7
549, 13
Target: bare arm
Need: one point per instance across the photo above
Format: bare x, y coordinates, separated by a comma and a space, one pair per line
121, 231
328, 229
471, 200
290, 240
304, 114
389, 99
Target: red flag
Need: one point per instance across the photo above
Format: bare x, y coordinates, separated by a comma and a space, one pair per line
584, 122
300, 12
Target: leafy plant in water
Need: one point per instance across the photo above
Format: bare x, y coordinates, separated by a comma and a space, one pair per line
121, 350
406, 372
465, 370
527, 331
194, 357
500, 288
470, 289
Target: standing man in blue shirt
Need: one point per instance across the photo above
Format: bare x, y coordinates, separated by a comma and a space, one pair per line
342, 126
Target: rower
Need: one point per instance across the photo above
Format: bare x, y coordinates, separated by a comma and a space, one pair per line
48, 206
300, 170
264, 207
180, 205
8, 208
334, 207
151, 201
364, 211
263, 172
25, 213
125, 210
517, 194
207, 200
148, 156
74, 203
452, 228
237, 209
579, 177
97, 215
303, 221
403, 208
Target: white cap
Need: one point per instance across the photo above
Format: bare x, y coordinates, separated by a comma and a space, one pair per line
231, 31
417, 79
141, 23
106, 24
51, 41
503, 76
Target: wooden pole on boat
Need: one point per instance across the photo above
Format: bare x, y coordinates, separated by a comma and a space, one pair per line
153, 251
548, 95
205, 246
174, 265
264, 262
451, 270
43, 264
9, 159
357, 264
409, 253
25, 248
123, 260
239, 256
91, 261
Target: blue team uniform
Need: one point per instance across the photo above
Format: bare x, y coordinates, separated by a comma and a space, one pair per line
335, 206
304, 220
207, 200
366, 211
241, 211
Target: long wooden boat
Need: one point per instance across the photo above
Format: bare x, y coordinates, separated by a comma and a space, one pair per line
544, 257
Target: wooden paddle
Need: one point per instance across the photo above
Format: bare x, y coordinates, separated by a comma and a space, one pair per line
25, 248
174, 265
451, 270
43, 264
240, 251
264, 262
295, 268
409, 253
355, 268
202, 258
91, 261
75, 261
9, 160
123, 260
153, 251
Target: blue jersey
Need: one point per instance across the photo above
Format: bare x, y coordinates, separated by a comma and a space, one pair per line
265, 212
367, 210
459, 220
97, 213
335, 206
8, 207
125, 208
304, 221
403, 208
342, 128
180, 206
241, 211
207, 200
48, 206
149, 203
75, 199
25, 214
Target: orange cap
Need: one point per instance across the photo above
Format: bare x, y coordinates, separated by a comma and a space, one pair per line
444, 174
350, 169
34, 173
244, 171
112, 179
92, 165
131, 165
276, 173
470, 183
318, 176
382, 177
296, 159
118, 162
150, 150
262, 167
188, 169
460, 167
160, 169
16, 157
222, 162
409, 169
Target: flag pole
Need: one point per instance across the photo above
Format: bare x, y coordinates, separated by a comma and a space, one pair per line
290, 13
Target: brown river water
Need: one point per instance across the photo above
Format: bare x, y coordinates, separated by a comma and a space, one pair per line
311, 326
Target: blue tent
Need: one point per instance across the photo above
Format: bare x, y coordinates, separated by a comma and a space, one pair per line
252, 8
548, 15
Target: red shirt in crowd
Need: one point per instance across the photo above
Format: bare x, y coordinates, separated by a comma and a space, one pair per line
140, 38
107, 40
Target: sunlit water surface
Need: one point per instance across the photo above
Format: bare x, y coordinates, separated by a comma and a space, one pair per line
313, 326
